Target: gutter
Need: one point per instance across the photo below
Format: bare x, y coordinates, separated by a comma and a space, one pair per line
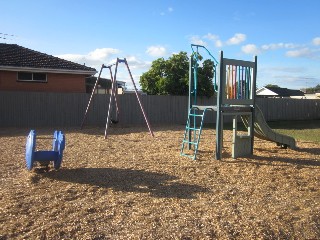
47, 70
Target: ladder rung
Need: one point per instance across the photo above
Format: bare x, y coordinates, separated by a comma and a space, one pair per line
195, 129
188, 155
197, 133
186, 141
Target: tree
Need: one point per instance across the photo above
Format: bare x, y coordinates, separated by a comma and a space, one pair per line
152, 80
272, 85
315, 89
205, 76
172, 77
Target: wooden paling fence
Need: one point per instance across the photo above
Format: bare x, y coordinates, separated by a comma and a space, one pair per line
35, 109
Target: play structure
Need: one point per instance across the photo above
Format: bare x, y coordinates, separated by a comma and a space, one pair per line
235, 98
113, 108
45, 157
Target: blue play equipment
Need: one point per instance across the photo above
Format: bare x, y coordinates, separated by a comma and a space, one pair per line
44, 157
235, 83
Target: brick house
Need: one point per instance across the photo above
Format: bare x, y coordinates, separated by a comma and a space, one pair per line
23, 69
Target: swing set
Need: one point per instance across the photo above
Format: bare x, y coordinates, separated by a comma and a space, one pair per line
113, 100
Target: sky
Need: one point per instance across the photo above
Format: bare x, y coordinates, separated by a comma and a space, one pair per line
284, 34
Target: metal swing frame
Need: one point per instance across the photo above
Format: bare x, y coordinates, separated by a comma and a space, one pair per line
113, 96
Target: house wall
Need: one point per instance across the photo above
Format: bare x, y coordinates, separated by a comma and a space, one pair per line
56, 82
312, 96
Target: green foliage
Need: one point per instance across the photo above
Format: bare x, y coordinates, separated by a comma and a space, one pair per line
272, 85
171, 77
205, 76
152, 80
315, 89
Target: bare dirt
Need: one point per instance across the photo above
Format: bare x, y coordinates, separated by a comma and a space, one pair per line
133, 186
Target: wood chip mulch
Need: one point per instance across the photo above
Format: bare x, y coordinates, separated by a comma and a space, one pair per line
133, 186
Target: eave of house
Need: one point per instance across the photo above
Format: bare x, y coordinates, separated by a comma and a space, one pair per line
46, 70
265, 92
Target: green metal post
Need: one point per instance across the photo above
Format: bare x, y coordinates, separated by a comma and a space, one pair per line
253, 95
189, 100
219, 113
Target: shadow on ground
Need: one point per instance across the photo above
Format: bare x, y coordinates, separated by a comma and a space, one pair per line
295, 124
128, 180
276, 160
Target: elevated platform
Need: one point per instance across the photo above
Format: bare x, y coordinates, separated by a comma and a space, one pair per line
224, 109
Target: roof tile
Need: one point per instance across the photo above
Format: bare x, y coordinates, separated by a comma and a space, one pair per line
14, 55
285, 92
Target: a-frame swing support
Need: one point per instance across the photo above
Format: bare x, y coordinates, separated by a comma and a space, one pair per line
113, 96
94, 89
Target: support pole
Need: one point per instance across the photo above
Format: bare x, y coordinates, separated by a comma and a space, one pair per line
138, 98
93, 90
219, 130
190, 100
112, 95
115, 95
253, 95
195, 89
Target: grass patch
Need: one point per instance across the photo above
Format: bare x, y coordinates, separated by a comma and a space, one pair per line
301, 130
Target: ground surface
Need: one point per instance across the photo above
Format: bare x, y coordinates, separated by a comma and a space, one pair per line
133, 186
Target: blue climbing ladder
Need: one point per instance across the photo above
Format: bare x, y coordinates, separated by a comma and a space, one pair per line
196, 113
193, 131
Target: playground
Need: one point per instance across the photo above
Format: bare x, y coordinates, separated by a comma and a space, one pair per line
243, 181
135, 186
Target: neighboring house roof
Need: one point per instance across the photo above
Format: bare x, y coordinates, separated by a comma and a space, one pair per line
103, 81
278, 92
16, 58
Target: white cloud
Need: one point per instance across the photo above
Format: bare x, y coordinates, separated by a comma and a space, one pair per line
94, 58
136, 63
287, 69
303, 52
169, 10
109, 56
218, 43
294, 76
102, 53
197, 40
316, 41
136, 66
290, 45
211, 36
156, 51
250, 49
275, 46
295, 81
72, 57
272, 46
237, 39
297, 50
215, 38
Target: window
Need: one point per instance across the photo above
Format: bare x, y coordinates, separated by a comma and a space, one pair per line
32, 77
